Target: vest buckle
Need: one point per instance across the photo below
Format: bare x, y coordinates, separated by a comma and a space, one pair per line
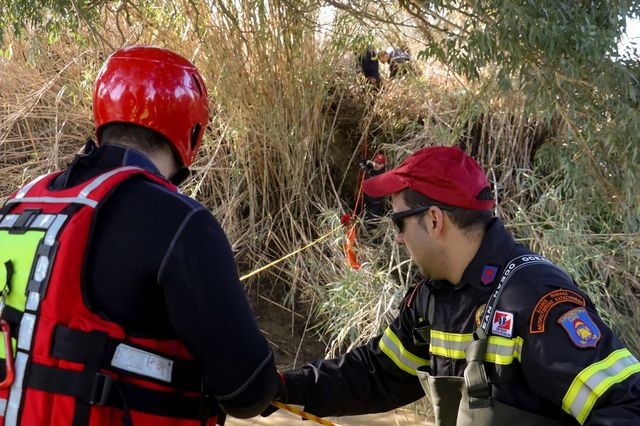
25, 220
101, 389
477, 385
475, 377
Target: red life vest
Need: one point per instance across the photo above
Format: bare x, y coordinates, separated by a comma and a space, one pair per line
73, 367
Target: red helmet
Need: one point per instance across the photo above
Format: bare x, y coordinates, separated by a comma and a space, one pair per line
157, 89
379, 158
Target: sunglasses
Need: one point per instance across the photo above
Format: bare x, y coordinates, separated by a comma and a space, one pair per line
398, 218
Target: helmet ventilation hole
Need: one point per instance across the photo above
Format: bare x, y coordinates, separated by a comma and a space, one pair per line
197, 83
195, 131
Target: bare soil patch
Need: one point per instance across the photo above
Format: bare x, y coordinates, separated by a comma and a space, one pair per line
288, 333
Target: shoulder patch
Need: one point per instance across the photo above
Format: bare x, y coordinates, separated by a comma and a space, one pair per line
547, 302
582, 331
502, 324
488, 274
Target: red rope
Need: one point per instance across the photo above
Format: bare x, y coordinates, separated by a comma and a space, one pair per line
352, 228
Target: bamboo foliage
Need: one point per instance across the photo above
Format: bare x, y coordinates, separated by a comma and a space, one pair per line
290, 119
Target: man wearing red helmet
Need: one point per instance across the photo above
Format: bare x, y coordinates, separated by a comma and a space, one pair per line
133, 311
496, 335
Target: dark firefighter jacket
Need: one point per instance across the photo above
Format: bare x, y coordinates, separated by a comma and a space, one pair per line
369, 65
374, 206
549, 351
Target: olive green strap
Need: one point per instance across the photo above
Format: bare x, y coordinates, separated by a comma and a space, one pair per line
475, 377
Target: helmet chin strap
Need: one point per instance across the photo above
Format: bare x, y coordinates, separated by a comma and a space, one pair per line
180, 176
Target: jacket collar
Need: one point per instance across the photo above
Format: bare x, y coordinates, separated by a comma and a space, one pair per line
491, 257
94, 160
486, 266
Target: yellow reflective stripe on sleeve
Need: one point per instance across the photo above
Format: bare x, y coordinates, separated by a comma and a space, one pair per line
452, 337
405, 360
503, 351
449, 345
500, 350
592, 382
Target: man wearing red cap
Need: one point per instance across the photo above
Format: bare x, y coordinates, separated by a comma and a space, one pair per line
373, 206
494, 335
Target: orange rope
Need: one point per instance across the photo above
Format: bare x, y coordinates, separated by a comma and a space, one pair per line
349, 245
352, 228
303, 414
359, 194
361, 175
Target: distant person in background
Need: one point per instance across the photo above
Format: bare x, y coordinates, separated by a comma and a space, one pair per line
373, 206
399, 61
369, 66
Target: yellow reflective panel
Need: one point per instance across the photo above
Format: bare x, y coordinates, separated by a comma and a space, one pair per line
500, 350
20, 250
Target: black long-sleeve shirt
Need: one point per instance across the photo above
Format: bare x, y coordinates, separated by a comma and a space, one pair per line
369, 65
374, 206
160, 265
549, 352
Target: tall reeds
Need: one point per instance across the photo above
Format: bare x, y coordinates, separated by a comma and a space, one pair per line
289, 122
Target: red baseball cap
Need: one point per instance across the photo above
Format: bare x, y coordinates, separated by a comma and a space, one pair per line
379, 158
444, 174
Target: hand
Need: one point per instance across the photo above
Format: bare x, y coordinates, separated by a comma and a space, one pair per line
281, 396
269, 410
365, 165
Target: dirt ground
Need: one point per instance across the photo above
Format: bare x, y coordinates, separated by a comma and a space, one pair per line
285, 331
279, 418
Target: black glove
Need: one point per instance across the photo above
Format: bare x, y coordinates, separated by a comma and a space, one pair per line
365, 165
281, 396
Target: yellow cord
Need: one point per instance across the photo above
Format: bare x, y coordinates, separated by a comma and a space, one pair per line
289, 408
257, 271
303, 414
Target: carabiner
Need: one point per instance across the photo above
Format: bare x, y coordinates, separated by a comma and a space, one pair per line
8, 354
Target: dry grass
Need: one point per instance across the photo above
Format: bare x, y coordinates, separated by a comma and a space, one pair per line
278, 164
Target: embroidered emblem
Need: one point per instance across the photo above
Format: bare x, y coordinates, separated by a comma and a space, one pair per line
479, 313
547, 302
488, 274
502, 324
582, 331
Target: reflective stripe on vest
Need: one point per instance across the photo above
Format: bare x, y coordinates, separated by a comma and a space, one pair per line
15, 396
23, 191
500, 350
391, 346
30, 240
35, 248
42, 221
55, 200
82, 198
592, 382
